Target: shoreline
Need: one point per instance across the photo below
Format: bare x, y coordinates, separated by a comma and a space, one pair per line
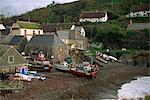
68, 87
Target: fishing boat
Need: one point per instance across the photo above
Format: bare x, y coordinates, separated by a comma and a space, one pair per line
40, 67
81, 70
62, 68
24, 74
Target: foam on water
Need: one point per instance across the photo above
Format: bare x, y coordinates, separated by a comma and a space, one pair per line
135, 89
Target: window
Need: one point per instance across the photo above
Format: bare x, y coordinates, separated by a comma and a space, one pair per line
148, 14
137, 15
33, 32
10, 59
25, 33
60, 49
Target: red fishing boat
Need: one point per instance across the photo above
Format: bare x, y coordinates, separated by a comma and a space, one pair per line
81, 70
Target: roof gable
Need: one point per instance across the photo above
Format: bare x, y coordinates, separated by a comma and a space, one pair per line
63, 34
7, 39
46, 40
3, 49
78, 28
97, 14
28, 25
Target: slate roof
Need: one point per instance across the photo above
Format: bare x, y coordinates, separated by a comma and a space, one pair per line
49, 28
138, 26
6, 31
46, 40
96, 14
141, 7
70, 34
16, 40
3, 49
13, 39
78, 28
2, 37
28, 25
63, 34
53, 27
7, 39
67, 34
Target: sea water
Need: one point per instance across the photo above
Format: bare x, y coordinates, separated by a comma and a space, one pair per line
136, 89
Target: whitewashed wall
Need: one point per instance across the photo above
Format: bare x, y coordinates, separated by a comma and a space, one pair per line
103, 19
141, 14
29, 32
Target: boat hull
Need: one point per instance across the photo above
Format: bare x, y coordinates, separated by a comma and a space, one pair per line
83, 74
62, 68
77, 72
40, 68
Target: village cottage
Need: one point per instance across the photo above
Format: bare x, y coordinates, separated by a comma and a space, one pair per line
10, 58
73, 39
27, 29
79, 29
142, 10
51, 45
140, 30
93, 16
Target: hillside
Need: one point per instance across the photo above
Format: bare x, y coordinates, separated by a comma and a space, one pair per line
70, 12
111, 34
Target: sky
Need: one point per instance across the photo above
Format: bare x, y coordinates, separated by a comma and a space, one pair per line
13, 7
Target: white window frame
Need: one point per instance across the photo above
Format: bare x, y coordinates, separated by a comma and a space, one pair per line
10, 62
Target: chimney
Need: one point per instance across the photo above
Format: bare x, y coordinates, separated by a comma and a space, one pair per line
17, 20
130, 21
97, 10
29, 19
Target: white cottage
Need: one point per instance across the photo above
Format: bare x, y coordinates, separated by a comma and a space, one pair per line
142, 10
27, 29
90, 16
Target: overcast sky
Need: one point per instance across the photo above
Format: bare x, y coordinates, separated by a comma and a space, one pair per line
21, 6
